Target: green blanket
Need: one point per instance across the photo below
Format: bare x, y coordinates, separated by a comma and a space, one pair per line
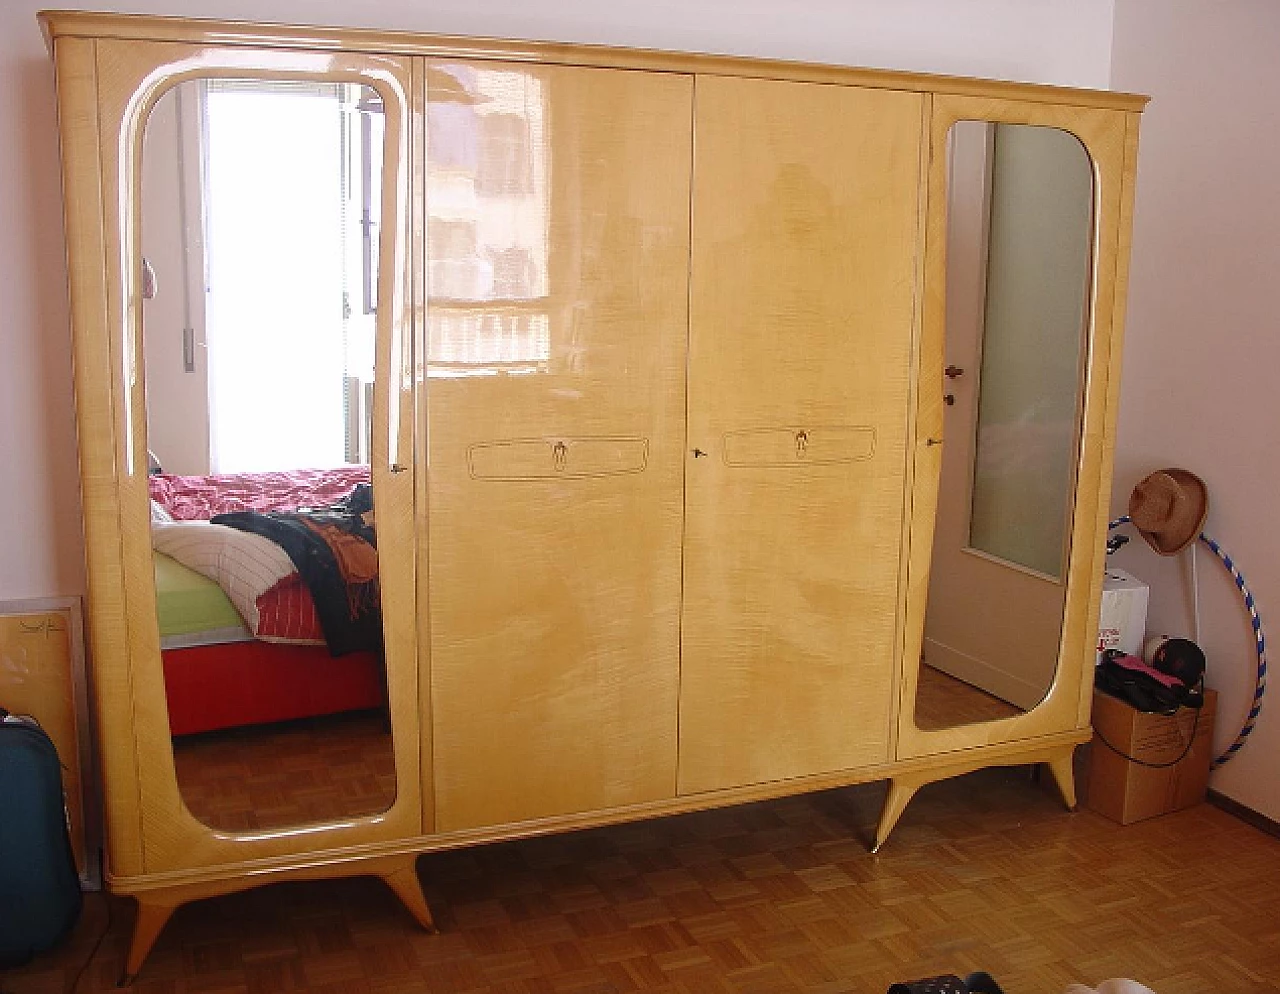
188, 602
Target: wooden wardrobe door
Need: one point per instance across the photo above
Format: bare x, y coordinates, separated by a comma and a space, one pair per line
805, 242
557, 265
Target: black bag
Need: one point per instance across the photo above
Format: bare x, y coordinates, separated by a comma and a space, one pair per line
39, 890
1142, 691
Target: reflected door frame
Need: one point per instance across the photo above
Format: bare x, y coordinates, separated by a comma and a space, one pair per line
150, 830
1111, 142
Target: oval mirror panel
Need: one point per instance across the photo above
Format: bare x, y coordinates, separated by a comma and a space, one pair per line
1019, 237
260, 202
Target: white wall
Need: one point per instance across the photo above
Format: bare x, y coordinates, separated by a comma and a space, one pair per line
40, 548
1201, 385
177, 400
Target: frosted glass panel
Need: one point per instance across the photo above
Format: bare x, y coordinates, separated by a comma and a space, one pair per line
1033, 346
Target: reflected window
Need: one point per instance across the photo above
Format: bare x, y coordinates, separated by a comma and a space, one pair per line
289, 193
487, 221
372, 123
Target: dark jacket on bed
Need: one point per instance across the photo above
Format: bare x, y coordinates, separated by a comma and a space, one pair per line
335, 551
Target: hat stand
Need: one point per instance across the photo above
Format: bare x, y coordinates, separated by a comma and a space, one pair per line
1260, 685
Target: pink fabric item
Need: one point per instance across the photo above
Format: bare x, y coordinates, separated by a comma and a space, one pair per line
286, 612
1138, 666
198, 498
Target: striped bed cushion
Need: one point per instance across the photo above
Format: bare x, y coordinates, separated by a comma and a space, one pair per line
249, 568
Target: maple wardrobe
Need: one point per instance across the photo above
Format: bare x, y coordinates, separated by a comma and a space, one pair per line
651, 398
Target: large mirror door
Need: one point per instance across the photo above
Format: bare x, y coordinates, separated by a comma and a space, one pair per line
1019, 235
1013, 406
260, 222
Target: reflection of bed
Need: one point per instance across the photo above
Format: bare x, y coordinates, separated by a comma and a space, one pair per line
217, 674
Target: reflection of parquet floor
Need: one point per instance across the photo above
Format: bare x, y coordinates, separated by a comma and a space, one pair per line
942, 701
986, 871
319, 769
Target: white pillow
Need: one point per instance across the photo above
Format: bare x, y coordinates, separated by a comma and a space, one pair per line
244, 565
158, 513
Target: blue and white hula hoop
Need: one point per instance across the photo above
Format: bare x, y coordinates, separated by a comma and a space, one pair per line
1260, 686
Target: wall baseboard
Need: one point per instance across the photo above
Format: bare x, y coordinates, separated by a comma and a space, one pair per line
1245, 814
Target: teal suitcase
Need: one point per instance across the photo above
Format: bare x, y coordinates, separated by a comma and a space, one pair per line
39, 890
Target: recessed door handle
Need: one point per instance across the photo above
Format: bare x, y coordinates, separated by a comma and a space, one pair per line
953, 371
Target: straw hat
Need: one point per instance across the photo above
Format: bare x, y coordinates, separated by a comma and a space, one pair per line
1168, 508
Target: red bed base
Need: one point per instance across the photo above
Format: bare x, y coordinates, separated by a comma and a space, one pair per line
252, 683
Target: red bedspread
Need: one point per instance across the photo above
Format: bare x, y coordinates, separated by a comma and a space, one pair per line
198, 498
252, 683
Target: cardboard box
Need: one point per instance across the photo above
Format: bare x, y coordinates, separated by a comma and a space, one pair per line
1125, 791
1122, 622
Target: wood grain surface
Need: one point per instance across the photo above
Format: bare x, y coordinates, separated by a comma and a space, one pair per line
1104, 137
801, 323
555, 572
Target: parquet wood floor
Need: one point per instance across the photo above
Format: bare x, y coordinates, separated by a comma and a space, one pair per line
984, 872
292, 773
942, 701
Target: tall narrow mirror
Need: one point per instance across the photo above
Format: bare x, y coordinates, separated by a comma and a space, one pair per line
259, 241
1019, 233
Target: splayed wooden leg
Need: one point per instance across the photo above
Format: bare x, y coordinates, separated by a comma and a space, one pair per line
146, 929
895, 802
1064, 775
408, 888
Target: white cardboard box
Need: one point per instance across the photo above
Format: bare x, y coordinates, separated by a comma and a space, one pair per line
1123, 620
